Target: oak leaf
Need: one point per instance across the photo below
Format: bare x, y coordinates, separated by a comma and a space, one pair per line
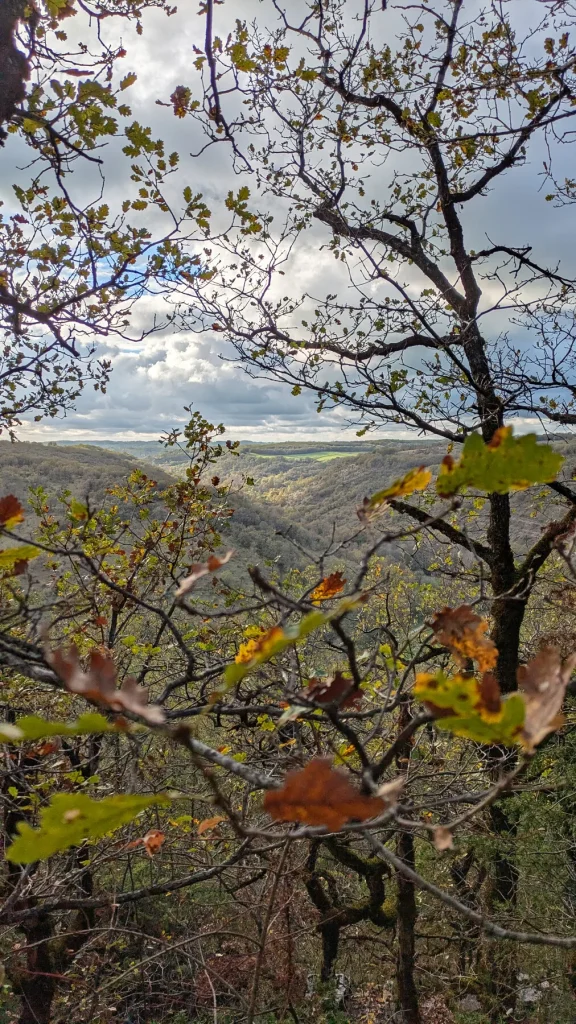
11, 512
506, 463
153, 841
180, 99
471, 709
329, 587
98, 683
462, 631
14, 560
415, 480
337, 689
202, 569
258, 646
542, 683
210, 823
321, 795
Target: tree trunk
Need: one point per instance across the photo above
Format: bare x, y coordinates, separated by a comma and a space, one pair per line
501, 958
37, 983
407, 914
14, 69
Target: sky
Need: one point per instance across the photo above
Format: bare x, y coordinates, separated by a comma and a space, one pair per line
153, 381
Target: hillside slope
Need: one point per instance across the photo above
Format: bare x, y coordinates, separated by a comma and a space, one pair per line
89, 471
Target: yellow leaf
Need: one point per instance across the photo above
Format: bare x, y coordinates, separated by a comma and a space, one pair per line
23, 553
415, 480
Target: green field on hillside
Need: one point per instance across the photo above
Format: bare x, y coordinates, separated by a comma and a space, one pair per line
318, 456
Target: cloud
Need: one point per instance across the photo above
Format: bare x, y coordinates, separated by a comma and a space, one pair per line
152, 383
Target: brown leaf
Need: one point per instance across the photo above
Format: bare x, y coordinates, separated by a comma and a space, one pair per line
329, 587
98, 683
390, 791
443, 839
209, 823
320, 795
153, 841
202, 569
11, 511
180, 99
542, 683
490, 694
337, 689
462, 632
498, 436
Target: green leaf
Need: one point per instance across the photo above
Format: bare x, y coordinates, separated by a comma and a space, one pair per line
55, 6
78, 510
70, 818
22, 553
128, 81
471, 715
504, 730
507, 463
32, 727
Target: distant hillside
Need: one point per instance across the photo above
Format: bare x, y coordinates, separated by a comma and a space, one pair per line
304, 489
320, 496
277, 490
89, 471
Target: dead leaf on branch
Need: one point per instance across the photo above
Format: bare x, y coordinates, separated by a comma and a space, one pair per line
490, 693
209, 824
321, 795
390, 791
442, 839
462, 631
11, 512
180, 99
542, 683
329, 587
201, 569
98, 683
337, 689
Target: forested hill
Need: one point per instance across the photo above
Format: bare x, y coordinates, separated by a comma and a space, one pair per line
278, 491
310, 488
255, 530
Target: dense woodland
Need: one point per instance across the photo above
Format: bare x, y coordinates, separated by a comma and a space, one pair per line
288, 730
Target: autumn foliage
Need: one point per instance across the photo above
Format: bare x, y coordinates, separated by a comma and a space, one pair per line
321, 795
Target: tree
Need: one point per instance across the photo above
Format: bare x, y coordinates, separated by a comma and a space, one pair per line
384, 153
73, 267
